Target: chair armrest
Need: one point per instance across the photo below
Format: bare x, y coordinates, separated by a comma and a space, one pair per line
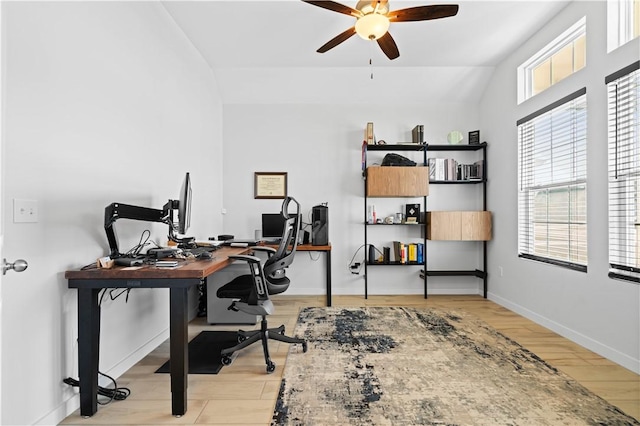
245, 257
269, 250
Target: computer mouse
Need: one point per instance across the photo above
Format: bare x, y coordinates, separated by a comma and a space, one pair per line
205, 255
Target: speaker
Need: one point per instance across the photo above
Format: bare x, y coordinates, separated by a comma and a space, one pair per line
320, 226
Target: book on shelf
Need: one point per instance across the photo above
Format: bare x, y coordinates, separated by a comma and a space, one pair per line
399, 252
448, 169
413, 252
417, 134
420, 253
368, 134
407, 252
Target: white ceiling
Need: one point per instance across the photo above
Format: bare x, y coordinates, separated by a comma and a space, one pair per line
265, 51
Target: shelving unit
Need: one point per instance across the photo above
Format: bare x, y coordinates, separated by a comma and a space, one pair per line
397, 182
483, 229
408, 182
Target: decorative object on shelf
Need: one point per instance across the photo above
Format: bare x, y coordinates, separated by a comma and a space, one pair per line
474, 137
412, 213
371, 214
270, 185
454, 137
373, 20
398, 218
388, 220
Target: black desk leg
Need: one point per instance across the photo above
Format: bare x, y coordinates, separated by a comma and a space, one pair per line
88, 349
178, 340
328, 264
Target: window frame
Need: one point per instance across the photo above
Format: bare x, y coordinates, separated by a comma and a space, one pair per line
526, 70
527, 190
622, 18
619, 218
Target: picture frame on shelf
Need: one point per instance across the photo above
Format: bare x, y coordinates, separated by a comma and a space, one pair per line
474, 137
412, 213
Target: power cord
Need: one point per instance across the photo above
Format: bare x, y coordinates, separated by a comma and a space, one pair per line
115, 394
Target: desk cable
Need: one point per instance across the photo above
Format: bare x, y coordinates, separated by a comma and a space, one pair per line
114, 394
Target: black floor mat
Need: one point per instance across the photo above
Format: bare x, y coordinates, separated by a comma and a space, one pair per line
204, 352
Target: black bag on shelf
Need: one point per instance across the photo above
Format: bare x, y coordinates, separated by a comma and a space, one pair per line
392, 159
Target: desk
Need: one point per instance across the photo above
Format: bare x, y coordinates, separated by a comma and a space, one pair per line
327, 251
178, 281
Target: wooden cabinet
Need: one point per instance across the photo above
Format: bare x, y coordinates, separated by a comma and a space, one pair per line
397, 181
459, 225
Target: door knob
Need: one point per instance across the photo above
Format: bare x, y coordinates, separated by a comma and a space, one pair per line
18, 266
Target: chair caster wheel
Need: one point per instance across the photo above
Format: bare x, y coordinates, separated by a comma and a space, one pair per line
271, 367
304, 347
226, 360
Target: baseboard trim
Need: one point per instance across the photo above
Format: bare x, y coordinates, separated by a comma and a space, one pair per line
593, 345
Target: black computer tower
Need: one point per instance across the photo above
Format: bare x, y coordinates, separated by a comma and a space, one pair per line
320, 226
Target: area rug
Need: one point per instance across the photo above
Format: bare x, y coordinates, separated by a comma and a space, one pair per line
404, 366
204, 352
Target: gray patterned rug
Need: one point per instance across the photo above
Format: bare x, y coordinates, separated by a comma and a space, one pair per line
404, 366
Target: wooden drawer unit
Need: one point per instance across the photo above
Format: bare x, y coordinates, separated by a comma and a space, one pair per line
397, 181
459, 225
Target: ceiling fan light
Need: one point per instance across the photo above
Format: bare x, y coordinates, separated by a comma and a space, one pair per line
372, 26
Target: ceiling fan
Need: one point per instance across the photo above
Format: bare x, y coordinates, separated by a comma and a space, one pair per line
373, 19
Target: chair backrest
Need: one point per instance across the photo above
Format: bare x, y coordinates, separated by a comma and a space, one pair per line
274, 266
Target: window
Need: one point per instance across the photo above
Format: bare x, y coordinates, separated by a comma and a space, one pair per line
623, 89
556, 61
552, 183
623, 22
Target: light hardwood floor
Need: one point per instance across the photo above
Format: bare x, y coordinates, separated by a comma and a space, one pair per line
243, 394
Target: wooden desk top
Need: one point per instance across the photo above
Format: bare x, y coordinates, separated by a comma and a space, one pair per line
187, 269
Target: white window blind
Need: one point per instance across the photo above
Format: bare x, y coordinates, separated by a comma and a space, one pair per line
623, 89
552, 183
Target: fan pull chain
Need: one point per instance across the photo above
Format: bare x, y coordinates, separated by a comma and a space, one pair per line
370, 59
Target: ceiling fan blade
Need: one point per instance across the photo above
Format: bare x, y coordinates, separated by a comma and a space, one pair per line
336, 7
423, 13
388, 46
337, 40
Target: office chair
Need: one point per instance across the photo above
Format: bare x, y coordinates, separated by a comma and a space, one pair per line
252, 291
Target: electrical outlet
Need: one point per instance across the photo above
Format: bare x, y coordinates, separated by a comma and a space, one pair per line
25, 211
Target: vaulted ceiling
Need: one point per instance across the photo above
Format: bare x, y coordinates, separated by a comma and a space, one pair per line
265, 51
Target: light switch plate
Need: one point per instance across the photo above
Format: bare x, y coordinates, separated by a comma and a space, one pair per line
25, 211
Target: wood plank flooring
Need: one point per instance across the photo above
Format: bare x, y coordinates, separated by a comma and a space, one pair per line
243, 394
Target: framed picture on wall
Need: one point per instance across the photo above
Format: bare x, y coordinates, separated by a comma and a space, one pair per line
270, 185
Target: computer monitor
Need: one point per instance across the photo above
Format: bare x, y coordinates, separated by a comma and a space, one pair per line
184, 206
272, 225
115, 211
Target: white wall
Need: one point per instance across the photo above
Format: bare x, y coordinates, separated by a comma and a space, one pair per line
595, 311
319, 146
104, 102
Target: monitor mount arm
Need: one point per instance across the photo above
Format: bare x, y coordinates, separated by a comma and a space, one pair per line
115, 211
